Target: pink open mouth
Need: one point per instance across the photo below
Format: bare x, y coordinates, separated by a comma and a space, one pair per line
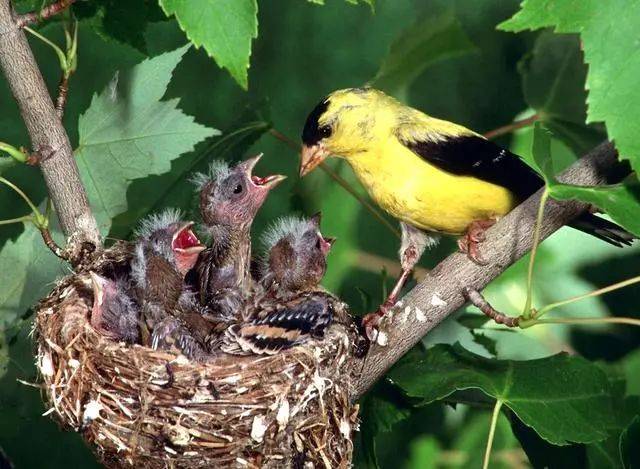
267, 181
185, 241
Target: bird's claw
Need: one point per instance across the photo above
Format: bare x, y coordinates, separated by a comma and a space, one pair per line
476, 234
371, 322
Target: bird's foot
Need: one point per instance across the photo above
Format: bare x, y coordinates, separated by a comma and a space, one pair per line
371, 322
475, 235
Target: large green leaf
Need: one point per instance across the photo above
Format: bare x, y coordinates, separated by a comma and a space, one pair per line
614, 60
29, 269
553, 78
563, 398
224, 28
428, 41
620, 201
128, 133
629, 441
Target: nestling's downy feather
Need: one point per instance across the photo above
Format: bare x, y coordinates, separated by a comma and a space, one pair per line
218, 169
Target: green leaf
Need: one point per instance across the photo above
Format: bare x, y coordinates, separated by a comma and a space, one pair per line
33, 268
430, 40
224, 28
172, 189
128, 133
125, 22
553, 80
629, 441
620, 201
380, 410
564, 399
613, 59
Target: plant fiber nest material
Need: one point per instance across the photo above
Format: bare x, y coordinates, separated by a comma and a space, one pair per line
141, 407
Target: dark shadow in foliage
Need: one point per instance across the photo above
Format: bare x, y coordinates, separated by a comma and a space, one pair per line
26, 436
543, 454
621, 339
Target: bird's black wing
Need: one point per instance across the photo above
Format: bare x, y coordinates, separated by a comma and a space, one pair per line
472, 155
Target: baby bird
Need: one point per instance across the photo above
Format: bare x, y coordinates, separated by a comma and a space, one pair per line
114, 313
165, 251
432, 175
230, 197
293, 306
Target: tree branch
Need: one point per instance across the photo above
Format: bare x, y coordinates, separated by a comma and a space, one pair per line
45, 130
441, 292
46, 12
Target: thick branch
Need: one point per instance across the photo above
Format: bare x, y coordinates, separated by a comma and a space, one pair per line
441, 292
46, 131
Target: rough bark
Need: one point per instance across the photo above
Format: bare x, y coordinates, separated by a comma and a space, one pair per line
440, 293
48, 136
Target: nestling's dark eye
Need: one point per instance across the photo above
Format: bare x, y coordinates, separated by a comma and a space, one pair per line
318, 243
324, 131
238, 189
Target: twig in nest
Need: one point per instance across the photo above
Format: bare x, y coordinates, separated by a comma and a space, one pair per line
46, 12
51, 244
477, 300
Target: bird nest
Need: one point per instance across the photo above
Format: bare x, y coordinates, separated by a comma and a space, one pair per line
141, 407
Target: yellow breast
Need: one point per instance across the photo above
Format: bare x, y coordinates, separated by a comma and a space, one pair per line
422, 195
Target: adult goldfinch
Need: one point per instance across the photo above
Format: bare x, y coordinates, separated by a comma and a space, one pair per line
432, 175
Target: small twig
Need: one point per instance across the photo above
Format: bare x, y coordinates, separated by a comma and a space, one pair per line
476, 299
526, 312
505, 129
577, 321
61, 99
51, 244
45, 13
336, 177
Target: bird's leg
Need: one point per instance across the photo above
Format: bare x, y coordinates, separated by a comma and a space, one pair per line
414, 242
469, 243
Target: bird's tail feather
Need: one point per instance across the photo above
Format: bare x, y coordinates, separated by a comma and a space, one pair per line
604, 230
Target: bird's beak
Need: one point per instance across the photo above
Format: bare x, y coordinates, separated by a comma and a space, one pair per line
312, 156
97, 283
248, 164
326, 244
267, 182
185, 241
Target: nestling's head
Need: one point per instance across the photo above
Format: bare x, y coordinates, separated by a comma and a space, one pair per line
169, 237
346, 122
296, 253
113, 313
233, 195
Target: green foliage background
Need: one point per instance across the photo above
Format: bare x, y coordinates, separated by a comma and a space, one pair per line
279, 58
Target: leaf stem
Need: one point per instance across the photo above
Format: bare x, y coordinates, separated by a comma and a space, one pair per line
526, 312
17, 220
598, 292
505, 129
37, 215
62, 58
492, 432
341, 181
13, 152
533, 321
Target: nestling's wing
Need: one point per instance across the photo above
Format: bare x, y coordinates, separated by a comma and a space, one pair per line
287, 326
459, 151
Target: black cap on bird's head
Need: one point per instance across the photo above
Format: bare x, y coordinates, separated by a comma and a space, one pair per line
233, 195
297, 252
327, 119
166, 235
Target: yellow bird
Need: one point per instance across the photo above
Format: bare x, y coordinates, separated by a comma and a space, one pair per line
432, 175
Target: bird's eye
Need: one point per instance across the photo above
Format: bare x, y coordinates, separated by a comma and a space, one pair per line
318, 243
324, 131
237, 189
